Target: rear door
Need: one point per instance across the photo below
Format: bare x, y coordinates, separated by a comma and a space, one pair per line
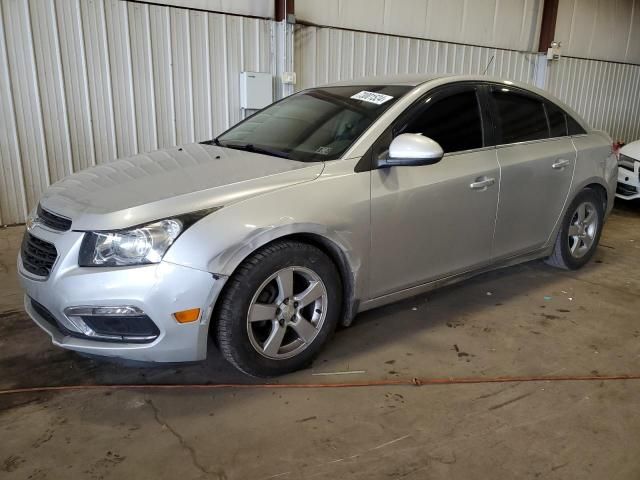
537, 161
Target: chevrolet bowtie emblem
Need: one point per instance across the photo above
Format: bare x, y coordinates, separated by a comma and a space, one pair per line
32, 221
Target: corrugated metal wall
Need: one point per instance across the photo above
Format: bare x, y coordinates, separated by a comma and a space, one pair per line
509, 24
85, 81
250, 8
604, 30
326, 55
595, 29
606, 94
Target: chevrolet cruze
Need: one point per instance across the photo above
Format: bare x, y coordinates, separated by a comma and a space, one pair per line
330, 202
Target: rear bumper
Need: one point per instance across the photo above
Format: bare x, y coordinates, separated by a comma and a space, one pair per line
158, 290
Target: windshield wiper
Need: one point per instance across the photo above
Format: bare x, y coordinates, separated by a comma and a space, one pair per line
250, 147
215, 141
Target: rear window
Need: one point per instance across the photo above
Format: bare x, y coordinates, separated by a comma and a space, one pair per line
557, 120
574, 127
521, 118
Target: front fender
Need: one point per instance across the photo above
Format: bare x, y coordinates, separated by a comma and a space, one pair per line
334, 207
228, 260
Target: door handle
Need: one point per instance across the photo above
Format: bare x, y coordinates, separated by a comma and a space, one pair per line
560, 164
482, 183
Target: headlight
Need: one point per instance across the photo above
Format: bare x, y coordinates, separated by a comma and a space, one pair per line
627, 162
137, 245
141, 245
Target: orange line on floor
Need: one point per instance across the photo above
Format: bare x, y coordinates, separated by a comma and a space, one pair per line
372, 383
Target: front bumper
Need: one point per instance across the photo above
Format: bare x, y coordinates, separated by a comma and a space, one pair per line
158, 290
629, 182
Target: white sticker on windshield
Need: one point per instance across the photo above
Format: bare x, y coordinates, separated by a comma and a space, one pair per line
324, 150
372, 97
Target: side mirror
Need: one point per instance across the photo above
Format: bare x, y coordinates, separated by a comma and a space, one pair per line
411, 149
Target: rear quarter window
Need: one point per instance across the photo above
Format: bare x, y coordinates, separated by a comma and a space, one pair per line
574, 127
557, 120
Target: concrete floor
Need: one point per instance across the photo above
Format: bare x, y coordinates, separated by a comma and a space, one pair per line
524, 320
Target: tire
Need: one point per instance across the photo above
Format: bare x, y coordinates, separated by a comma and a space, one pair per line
263, 326
572, 252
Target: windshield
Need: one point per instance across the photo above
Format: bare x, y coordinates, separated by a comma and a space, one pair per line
314, 125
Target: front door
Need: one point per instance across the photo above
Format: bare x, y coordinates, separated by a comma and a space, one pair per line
428, 222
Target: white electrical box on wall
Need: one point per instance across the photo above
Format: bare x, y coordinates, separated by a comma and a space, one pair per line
289, 78
554, 51
256, 90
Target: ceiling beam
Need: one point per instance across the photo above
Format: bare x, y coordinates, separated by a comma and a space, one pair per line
284, 8
548, 26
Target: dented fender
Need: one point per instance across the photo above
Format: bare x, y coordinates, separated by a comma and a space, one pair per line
334, 209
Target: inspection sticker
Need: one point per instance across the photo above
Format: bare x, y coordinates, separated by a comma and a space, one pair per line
372, 97
324, 150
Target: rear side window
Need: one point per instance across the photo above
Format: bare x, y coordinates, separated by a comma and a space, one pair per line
557, 121
454, 121
574, 127
520, 118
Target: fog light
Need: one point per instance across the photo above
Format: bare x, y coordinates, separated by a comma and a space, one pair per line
187, 316
118, 324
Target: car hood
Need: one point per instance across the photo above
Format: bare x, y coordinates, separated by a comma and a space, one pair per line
169, 182
632, 150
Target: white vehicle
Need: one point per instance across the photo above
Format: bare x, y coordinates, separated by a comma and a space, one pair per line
629, 172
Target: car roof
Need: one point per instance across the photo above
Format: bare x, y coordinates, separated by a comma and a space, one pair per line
414, 80
632, 150
426, 81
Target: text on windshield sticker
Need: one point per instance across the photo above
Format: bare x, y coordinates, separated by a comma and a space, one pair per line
372, 97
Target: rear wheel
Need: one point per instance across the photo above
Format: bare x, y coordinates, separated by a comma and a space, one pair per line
580, 232
279, 309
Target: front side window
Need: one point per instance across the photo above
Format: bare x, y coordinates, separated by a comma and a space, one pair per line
314, 125
454, 121
521, 118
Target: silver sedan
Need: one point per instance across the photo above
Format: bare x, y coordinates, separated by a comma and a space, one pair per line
327, 203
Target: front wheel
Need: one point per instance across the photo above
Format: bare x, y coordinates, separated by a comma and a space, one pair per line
580, 232
279, 309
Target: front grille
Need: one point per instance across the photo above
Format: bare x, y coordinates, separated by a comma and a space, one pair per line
626, 190
626, 165
44, 313
53, 221
38, 256
48, 317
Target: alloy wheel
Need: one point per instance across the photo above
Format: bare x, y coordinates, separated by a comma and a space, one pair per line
583, 229
287, 312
